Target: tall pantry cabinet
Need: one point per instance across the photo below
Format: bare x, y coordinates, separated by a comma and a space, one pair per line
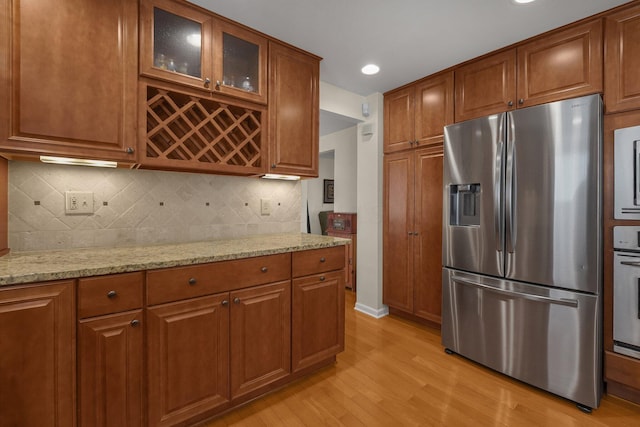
415, 116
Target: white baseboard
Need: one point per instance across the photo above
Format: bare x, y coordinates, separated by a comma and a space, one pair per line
377, 313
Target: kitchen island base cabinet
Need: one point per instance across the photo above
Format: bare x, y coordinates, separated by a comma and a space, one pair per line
110, 370
37, 355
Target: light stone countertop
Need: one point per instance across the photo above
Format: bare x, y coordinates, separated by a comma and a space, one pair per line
28, 267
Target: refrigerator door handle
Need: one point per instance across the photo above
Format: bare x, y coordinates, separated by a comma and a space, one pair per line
631, 263
498, 190
530, 297
636, 171
510, 188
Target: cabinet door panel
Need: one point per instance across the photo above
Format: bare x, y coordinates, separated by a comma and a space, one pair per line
74, 79
188, 359
110, 370
399, 120
434, 108
398, 230
294, 111
37, 355
486, 86
260, 336
428, 248
622, 61
186, 61
561, 65
318, 318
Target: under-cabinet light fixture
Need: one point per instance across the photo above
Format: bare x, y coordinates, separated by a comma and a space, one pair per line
282, 177
78, 162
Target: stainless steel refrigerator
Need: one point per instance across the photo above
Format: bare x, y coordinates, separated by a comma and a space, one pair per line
522, 261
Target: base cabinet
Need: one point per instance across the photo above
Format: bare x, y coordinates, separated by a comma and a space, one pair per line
187, 358
110, 370
260, 336
37, 355
318, 318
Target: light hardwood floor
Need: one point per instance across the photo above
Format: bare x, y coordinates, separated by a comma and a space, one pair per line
395, 373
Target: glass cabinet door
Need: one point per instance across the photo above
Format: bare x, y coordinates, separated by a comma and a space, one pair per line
240, 62
175, 43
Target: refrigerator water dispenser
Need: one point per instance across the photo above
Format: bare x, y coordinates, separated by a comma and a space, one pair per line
465, 204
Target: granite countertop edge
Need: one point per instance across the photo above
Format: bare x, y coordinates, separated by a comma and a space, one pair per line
42, 266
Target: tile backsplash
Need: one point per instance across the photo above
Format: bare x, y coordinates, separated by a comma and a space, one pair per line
139, 207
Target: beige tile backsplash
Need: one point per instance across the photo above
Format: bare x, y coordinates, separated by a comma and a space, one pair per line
134, 207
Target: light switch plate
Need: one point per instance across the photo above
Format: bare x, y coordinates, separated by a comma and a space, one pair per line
78, 202
265, 206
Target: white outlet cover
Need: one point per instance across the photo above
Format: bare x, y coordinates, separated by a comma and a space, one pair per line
78, 202
265, 206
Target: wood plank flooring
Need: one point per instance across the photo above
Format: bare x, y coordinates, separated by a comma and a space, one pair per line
395, 373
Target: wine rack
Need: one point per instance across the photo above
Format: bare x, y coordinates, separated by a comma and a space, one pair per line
184, 131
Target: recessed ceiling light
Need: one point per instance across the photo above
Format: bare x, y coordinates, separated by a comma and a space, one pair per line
370, 69
522, 1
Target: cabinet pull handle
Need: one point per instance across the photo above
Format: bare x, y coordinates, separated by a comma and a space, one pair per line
130, 150
322, 259
510, 103
207, 82
322, 278
225, 303
112, 294
192, 281
264, 269
236, 300
273, 166
521, 101
135, 323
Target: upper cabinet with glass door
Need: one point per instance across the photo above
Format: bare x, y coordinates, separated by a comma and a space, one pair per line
187, 45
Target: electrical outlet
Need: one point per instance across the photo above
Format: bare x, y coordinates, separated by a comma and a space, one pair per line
265, 206
78, 202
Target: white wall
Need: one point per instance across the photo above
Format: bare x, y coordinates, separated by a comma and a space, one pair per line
369, 256
368, 193
344, 145
315, 188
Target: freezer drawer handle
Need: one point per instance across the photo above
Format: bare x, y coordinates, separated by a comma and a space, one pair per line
631, 263
559, 301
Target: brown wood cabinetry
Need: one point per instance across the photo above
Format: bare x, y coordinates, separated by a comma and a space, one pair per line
412, 232
260, 336
622, 60
318, 306
294, 109
69, 88
218, 56
415, 116
110, 352
557, 65
4, 206
187, 358
37, 355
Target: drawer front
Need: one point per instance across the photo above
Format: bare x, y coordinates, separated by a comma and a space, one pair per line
173, 284
318, 261
109, 294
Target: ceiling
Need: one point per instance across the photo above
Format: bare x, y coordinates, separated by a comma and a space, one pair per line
408, 39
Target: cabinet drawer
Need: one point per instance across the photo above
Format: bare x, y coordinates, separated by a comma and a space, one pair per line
109, 294
178, 283
318, 260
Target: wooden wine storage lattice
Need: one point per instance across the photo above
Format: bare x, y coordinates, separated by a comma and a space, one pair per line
187, 131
